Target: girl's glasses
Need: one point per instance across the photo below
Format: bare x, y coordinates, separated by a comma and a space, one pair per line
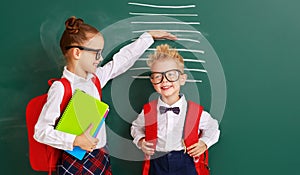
171, 75
98, 51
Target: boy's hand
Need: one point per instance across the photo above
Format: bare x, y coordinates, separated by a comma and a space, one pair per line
160, 34
85, 141
146, 147
197, 149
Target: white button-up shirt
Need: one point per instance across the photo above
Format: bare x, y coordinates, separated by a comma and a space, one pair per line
170, 127
122, 61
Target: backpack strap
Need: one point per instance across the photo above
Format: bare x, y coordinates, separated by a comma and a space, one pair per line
150, 115
192, 135
97, 83
67, 94
191, 126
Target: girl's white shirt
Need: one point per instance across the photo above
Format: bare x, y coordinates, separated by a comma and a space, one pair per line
122, 61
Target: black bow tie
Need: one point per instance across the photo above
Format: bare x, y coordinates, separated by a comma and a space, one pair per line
163, 109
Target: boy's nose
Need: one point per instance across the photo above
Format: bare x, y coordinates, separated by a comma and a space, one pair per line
164, 79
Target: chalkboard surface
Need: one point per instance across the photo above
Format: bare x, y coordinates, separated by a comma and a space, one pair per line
242, 60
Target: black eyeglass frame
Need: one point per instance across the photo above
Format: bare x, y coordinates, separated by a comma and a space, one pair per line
98, 51
164, 75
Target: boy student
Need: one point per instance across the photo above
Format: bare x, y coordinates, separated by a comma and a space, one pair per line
81, 45
168, 130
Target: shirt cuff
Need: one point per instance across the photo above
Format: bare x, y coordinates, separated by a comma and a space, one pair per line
137, 139
69, 141
207, 142
147, 38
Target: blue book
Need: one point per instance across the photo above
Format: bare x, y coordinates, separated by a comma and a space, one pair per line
81, 111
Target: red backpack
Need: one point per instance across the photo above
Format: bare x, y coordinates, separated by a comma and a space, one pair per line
43, 157
190, 134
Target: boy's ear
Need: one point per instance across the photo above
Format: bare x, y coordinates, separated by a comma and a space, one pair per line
183, 78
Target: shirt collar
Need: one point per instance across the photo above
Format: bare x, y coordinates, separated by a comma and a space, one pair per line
73, 78
179, 103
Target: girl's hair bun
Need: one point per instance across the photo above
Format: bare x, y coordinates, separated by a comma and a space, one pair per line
73, 25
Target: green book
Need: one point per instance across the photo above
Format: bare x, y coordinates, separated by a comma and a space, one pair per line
81, 111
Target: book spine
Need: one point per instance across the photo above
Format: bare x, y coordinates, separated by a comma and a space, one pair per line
100, 124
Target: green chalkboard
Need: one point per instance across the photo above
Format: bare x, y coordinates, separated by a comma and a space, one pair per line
242, 63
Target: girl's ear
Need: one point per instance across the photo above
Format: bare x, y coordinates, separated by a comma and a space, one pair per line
76, 53
182, 79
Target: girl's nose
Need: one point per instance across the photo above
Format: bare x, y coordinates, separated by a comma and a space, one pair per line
101, 59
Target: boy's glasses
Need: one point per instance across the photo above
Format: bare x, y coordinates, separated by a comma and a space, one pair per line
98, 51
171, 75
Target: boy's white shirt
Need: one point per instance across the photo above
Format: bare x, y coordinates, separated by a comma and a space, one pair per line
170, 127
122, 61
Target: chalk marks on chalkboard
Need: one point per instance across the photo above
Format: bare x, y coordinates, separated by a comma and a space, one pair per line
152, 19
196, 70
187, 39
183, 50
161, 14
164, 22
176, 31
161, 6
185, 60
186, 69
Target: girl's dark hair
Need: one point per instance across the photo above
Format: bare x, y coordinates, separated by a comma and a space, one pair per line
76, 33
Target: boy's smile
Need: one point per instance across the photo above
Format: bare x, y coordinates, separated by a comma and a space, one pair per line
169, 91
165, 87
